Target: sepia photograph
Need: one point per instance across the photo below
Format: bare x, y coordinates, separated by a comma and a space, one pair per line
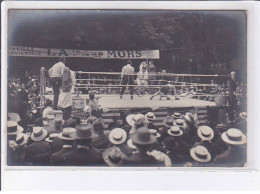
126, 88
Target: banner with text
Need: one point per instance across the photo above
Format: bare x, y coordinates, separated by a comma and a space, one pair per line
103, 54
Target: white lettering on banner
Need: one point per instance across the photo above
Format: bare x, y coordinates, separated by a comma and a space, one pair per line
108, 54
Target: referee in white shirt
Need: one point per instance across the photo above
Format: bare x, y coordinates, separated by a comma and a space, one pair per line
127, 78
56, 73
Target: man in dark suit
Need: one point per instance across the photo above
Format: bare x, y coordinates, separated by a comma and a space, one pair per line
59, 157
84, 154
101, 142
143, 140
232, 90
39, 151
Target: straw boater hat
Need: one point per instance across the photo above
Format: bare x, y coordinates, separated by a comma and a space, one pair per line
13, 128
180, 123
234, 137
135, 119
243, 115
168, 121
67, 133
21, 139
205, 133
150, 116
58, 122
143, 137
113, 157
175, 131
39, 133
130, 144
155, 133
188, 117
84, 132
51, 137
117, 136
176, 115
200, 154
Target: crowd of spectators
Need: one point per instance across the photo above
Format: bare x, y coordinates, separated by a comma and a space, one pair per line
134, 140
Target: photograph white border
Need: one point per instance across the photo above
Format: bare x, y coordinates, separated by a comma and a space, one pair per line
12, 176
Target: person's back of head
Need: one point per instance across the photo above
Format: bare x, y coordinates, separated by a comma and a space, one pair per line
48, 102
129, 62
62, 59
91, 96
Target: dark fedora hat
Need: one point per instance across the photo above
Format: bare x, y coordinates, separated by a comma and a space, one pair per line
84, 131
143, 137
59, 122
168, 121
99, 124
67, 133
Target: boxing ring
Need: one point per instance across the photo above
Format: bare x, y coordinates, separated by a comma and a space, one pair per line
188, 96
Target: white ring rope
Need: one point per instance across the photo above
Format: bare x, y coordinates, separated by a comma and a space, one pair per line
106, 85
159, 74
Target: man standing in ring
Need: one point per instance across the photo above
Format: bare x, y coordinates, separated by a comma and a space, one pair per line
127, 78
56, 73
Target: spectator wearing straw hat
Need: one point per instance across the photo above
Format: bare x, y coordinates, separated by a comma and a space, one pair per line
84, 154
39, 151
168, 122
136, 121
13, 129
150, 118
206, 135
14, 137
118, 138
59, 158
235, 155
200, 155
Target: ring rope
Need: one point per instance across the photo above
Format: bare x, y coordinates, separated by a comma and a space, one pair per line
105, 85
159, 74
